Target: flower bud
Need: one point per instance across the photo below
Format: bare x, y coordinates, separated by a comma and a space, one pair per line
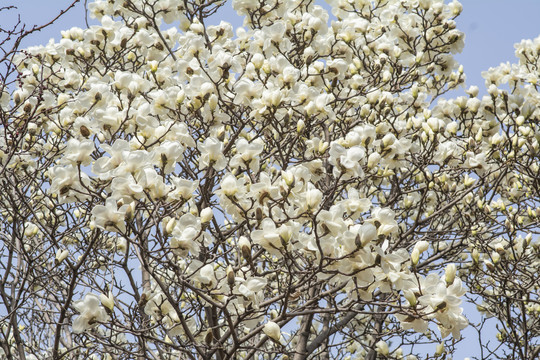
288, 177
170, 226
206, 215
439, 350
489, 265
245, 247
421, 246
415, 256
450, 273
272, 330
373, 160
61, 255
107, 301
411, 298
300, 126
228, 185
496, 257
230, 275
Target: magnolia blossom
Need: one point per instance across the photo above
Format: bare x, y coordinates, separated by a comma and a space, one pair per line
79, 152
212, 154
109, 216
247, 154
268, 237
66, 182
384, 220
91, 313
205, 180
251, 289
272, 330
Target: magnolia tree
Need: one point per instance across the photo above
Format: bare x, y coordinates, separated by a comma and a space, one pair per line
292, 189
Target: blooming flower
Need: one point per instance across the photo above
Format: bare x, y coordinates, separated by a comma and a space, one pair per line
109, 217
91, 313
212, 154
384, 220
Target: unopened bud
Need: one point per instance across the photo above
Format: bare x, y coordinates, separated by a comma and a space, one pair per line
107, 301
415, 256
206, 215
450, 273
61, 255
230, 275
272, 330
245, 247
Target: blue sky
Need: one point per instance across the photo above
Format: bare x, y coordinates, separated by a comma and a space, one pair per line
491, 27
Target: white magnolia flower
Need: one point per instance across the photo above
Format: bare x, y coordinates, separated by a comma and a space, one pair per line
251, 289
382, 348
272, 330
65, 182
206, 215
207, 275
78, 152
185, 235
212, 154
313, 197
384, 220
268, 237
247, 154
109, 217
91, 313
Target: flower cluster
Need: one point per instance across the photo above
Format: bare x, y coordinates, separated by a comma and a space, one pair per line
230, 183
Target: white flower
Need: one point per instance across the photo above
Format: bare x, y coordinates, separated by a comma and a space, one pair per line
207, 275
347, 161
107, 300
65, 183
91, 313
251, 289
125, 187
450, 273
367, 233
442, 303
268, 237
206, 215
247, 154
167, 155
158, 306
421, 246
313, 197
61, 255
151, 181
185, 233
356, 205
78, 152
183, 189
229, 185
212, 154
109, 217
272, 330
384, 220
382, 348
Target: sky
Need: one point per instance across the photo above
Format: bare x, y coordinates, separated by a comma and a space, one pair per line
491, 28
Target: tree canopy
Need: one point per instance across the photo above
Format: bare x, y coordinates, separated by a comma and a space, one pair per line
297, 188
